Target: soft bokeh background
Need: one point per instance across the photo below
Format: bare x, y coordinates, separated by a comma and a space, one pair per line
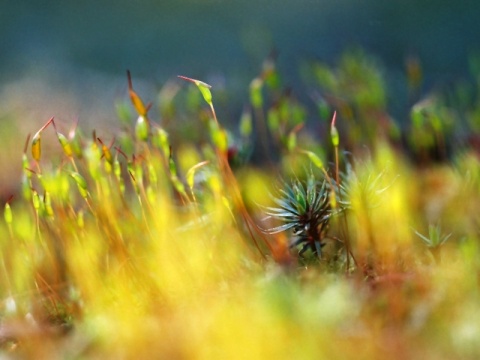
68, 60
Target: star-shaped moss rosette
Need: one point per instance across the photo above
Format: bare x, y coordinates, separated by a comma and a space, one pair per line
305, 208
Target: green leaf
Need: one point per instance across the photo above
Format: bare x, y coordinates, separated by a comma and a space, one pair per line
313, 158
300, 198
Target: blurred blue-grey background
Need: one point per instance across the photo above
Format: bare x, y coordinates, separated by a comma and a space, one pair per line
158, 39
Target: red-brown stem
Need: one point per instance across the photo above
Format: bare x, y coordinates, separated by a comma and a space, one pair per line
337, 170
186, 78
27, 142
119, 151
129, 77
47, 123
232, 184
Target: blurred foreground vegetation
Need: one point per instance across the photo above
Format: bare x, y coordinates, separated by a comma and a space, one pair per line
172, 236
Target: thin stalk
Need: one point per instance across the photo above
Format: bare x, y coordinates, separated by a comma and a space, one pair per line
232, 184
336, 141
214, 114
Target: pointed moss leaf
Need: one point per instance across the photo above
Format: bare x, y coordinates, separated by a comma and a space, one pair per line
435, 238
281, 228
8, 214
280, 213
301, 202
314, 158
287, 206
